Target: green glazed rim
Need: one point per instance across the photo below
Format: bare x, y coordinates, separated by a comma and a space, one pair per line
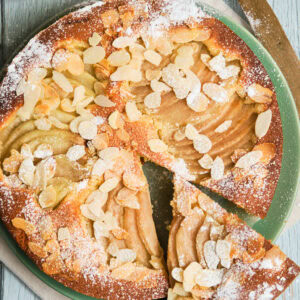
287, 185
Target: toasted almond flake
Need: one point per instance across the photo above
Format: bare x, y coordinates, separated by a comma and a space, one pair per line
112, 248
26, 151
224, 126
43, 124
191, 132
127, 73
43, 151
217, 169
47, 197
206, 161
97, 196
75, 65
87, 213
109, 184
75, 152
159, 87
37, 75
157, 145
217, 63
123, 42
132, 111
128, 198
79, 94
189, 275
104, 101
153, 74
203, 35
215, 92
211, 258
95, 39
179, 290
100, 230
110, 153
177, 274
179, 135
62, 81
153, 57
110, 220
66, 105
115, 120
57, 123
93, 55
87, 130
259, 94
75, 123
202, 143
95, 207
223, 249
63, 234
126, 255
100, 142
205, 59
249, 159
152, 100
216, 232
23, 224
192, 79
119, 58
21, 87
99, 167
185, 50
26, 171
263, 123
184, 62
209, 278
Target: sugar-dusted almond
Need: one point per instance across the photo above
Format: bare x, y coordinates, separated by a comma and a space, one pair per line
101, 141
178, 290
132, 111
109, 184
79, 94
43, 124
203, 35
95, 39
93, 55
197, 101
109, 154
217, 169
115, 120
159, 87
63, 234
43, 151
224, 126
259, 94
87, 130
37, 75
119, 58
209, 278
26, 171
206, 161
75, 65
153, 74
189, 275
75, 152
153, 57
249, 159
202, 143
47, 197
157, 145
223, 249
127, 198
184, 62
152, 100
127, 73
100, 230
177, 274
104, 101
66, 105
99, 167
211, 258
263, 123
216, 92
191, 132
62, 81
123, 42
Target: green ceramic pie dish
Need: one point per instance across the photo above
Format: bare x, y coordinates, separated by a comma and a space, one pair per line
160, 180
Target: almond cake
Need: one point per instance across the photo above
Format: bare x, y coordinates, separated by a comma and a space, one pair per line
99, 90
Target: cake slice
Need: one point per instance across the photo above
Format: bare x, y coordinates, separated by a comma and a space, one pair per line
212, 254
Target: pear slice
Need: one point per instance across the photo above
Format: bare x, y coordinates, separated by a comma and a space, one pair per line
186, 237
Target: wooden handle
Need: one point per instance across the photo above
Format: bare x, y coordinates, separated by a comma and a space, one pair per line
269, 31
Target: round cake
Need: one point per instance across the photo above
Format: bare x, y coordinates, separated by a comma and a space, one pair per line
102, 90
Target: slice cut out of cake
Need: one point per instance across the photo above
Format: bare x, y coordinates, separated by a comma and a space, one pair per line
212, 254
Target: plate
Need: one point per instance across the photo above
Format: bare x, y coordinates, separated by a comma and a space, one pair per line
160, 180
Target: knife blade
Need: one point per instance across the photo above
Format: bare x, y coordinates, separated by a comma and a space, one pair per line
269, 31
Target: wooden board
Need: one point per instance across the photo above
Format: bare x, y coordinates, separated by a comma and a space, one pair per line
20, 18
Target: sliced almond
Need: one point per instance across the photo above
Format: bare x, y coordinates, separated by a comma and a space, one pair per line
109, 185
128, 198
47, 197
100, 230
23, 224
206, 162
75, 152
79, 94
109, 154
101, 141
156, 262
66, 105
203, 35
21, 87
153, 74
205, 59
115, 120
153, 57
57, 123
179, 290
86, 212
123, 271
157, 145
202, 143
209, 278
119, 58
37, 75
259, 94
152, 100
159, 87
217, 169
62, 81
189, 275
95, 39
104, 101
184, 62
263, 123
95, 207
223, 249
191, 132
97, 196
211, 258
197, 101
123, 42
37, 250
224, 126
127, 73
26, 171
132, 111
93, 55
216, 92
185, 50
87, 130
126, 255
177, 274
43, 124
112, 248
249, 159
99, 167
63, 234
75, 65
179, 135
43, 151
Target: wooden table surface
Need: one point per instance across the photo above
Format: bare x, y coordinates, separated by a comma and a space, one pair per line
19, 18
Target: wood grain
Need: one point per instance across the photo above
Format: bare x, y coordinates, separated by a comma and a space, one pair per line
22, 17
269, 31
